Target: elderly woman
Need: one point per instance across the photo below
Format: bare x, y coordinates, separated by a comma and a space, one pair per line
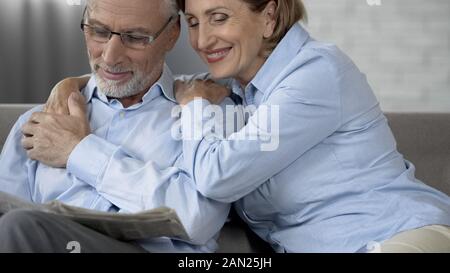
335, 181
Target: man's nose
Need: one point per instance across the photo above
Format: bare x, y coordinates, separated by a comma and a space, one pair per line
113, 51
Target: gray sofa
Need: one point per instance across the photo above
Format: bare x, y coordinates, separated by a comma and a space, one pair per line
424, 139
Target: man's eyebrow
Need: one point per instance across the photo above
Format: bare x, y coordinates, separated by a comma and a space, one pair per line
137, 30
141, 30
96, 22
208, 11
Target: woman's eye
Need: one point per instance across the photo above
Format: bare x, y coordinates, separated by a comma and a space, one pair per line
192, 22
219, 17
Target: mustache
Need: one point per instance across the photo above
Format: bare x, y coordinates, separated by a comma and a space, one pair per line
112, 69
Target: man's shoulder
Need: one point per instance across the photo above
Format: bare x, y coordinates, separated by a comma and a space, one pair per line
27, 110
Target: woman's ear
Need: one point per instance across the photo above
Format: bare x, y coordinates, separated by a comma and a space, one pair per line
270, 18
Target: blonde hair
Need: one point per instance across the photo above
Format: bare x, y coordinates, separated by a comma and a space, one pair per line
288, 13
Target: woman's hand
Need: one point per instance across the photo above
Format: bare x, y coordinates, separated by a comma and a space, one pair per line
57, 103
186, 92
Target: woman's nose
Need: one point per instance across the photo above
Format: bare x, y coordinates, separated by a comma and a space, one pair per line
113, 51
205, 37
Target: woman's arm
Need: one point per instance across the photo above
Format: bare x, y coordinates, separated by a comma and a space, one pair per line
296, 117
58, 101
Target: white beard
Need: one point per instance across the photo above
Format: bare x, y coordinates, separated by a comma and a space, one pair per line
112, 89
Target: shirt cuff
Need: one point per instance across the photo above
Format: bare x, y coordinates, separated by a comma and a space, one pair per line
89, 159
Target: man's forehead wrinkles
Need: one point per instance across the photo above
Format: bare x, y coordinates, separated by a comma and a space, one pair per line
121, 8
119, 12
125, 18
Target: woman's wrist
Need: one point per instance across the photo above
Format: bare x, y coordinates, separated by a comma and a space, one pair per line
58, 101
73, 84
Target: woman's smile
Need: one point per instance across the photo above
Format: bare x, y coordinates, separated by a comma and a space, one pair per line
214, 56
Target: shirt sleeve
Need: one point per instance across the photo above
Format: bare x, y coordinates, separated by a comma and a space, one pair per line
296, 116
17, 172
134, 185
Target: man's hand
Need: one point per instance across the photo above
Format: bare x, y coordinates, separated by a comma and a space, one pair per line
50, 138
186, 92
57, 102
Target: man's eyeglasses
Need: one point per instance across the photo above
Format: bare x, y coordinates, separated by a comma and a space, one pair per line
130, 40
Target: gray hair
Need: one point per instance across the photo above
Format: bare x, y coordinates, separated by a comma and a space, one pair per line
171, 4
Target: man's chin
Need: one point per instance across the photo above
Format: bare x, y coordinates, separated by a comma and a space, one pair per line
116, 94
119, 89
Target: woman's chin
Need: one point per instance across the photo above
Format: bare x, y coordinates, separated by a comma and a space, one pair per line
220, 74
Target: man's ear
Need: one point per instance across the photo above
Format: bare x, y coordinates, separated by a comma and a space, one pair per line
174, 34
270, 20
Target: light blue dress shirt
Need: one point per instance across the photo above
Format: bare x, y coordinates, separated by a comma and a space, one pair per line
110, 170
336, 181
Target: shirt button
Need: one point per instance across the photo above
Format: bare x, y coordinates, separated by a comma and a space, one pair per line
122, 114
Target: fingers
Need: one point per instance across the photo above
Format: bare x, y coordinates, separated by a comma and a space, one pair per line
42, 118
58, 100
206, 89
177, 84
27, 143
77, 105
37, 117
180, 85
176, 88
31, 154
180, 88
29, 129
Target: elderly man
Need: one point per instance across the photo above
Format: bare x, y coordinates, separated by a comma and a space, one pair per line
128, 101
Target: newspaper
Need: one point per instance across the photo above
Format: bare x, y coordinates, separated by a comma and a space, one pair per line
159, 222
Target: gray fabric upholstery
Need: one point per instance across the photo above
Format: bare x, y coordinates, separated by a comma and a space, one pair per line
423, 139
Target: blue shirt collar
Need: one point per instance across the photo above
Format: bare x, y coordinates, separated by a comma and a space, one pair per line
166, 84
163, 86
282, 55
